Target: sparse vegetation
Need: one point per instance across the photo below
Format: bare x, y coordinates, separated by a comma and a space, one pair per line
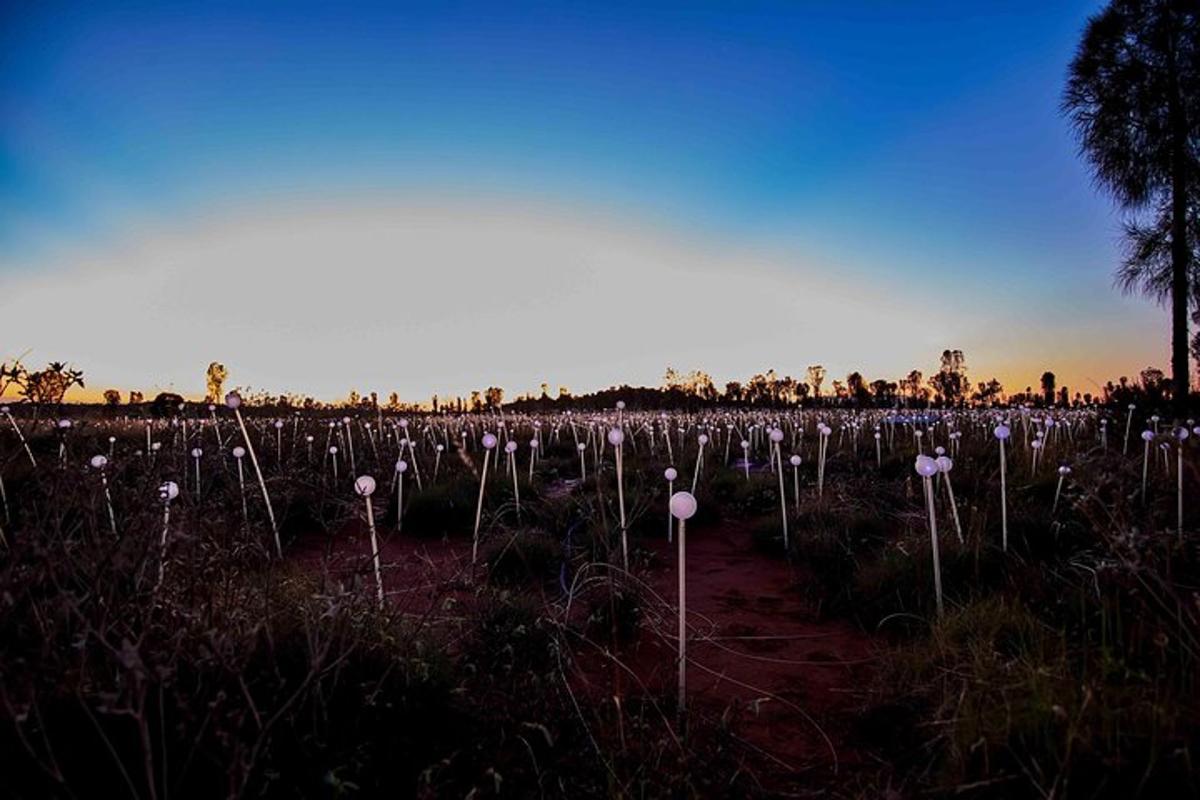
1064, 667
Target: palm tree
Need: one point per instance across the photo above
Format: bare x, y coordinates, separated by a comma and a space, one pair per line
1132, 99
1146, 267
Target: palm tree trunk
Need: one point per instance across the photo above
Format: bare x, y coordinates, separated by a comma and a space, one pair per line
1180, 256
1180, 251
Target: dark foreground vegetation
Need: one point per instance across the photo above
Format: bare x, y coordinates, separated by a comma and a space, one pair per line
1064, 667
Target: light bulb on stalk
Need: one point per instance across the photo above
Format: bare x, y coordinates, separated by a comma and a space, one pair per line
1002, 432
489, 443
616, 437
682, 507
1181, 435
944, 465
776, 437
99, 463
196, 454
1063, 472
510, 449
927, 467
670, 473
1147, 438
364, 487
795, 461
234, 401
167, 492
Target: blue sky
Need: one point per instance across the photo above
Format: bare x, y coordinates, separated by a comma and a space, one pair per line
895, 144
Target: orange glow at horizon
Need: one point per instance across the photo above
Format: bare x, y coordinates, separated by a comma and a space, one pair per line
1013, 379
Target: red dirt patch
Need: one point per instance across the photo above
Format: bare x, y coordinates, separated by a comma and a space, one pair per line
758, 654
756, 647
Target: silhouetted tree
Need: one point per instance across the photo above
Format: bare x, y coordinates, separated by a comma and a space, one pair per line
911, 385
816, 376
11, 374
1154, 384
950, 381
1133, 96
1048, 381
989, 392
856, 387
785, 390
215, 379
884, 391
51, 384
112, 397
165, 404
758, 390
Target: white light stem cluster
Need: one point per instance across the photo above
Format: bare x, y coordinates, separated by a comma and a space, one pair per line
933, 542
487, 455
699, 464
112, 517
778, 460
374, 549
1003, 499
621, 503
262, 484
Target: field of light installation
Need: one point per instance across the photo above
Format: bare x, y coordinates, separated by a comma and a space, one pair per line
738, 600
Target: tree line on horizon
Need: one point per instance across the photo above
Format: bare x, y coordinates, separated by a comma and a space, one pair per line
948, 387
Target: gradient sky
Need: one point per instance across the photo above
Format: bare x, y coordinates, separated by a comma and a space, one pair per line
438, 197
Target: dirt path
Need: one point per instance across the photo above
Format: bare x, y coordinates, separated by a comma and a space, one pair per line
758, 654
758, 650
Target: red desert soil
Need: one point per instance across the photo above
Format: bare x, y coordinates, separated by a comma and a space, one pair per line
758, 645
756, 648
